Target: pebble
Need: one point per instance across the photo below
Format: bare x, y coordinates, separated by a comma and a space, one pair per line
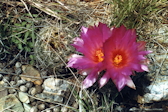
38, 89
12, 83
18, 64
34, 103
34, 109
41, 106
6, 79
57, 109
75, 105
29, 84
64, 109
21, 82
31, 99
18, 71
29, 70
9, 100
32, 91
11, 91
27, 107
49, 110
16, 78
23, 97
23, 88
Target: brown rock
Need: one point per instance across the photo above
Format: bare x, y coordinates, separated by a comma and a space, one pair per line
31, 74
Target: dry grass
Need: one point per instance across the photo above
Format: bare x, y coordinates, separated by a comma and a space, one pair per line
60, 21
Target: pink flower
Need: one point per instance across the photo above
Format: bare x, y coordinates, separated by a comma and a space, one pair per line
122, 56
91, 46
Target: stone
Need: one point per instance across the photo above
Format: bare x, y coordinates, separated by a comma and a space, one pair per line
27, 107
18, 65
31, 74
12, 103
157, 91
18, 71
23, 97
23, 88
3, 91
41, 106
32, 91
55, 90
33, 109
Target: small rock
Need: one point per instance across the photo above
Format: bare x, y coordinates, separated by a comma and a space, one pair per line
16, 78
57, 109
64, 109
48, 110
41, 106
29, 84
12, 83
23, 97
38, 89
23, 88
11, 101
35, 77
18, 71
32, 99
3, 91
43, 73
55, 90
21, 82
158, 92
2, 65
18, 65
11, 90
6, 79
34, 109
75, 105
34, 103
32, 91
27, 107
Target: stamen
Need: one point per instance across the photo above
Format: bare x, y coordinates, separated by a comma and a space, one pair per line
99, 55
117, 59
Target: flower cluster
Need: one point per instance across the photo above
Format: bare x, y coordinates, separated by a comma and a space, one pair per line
114, 50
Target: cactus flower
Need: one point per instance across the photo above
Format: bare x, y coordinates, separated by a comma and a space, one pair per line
122, 56
90, 44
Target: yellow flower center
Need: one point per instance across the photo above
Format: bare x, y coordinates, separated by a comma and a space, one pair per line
99, 55
117, 59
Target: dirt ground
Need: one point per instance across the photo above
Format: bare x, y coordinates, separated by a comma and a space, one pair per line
38, 34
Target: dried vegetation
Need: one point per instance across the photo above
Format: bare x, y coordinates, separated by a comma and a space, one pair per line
53, 24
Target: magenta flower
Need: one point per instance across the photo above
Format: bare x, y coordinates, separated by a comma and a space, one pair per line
122, 56
91, 45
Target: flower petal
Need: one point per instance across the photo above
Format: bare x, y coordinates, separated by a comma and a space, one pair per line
144, 67
80, 62
85, 71
106, 32
130, 83
141, 46
104, 79
120, 81
78, 44
90, 79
